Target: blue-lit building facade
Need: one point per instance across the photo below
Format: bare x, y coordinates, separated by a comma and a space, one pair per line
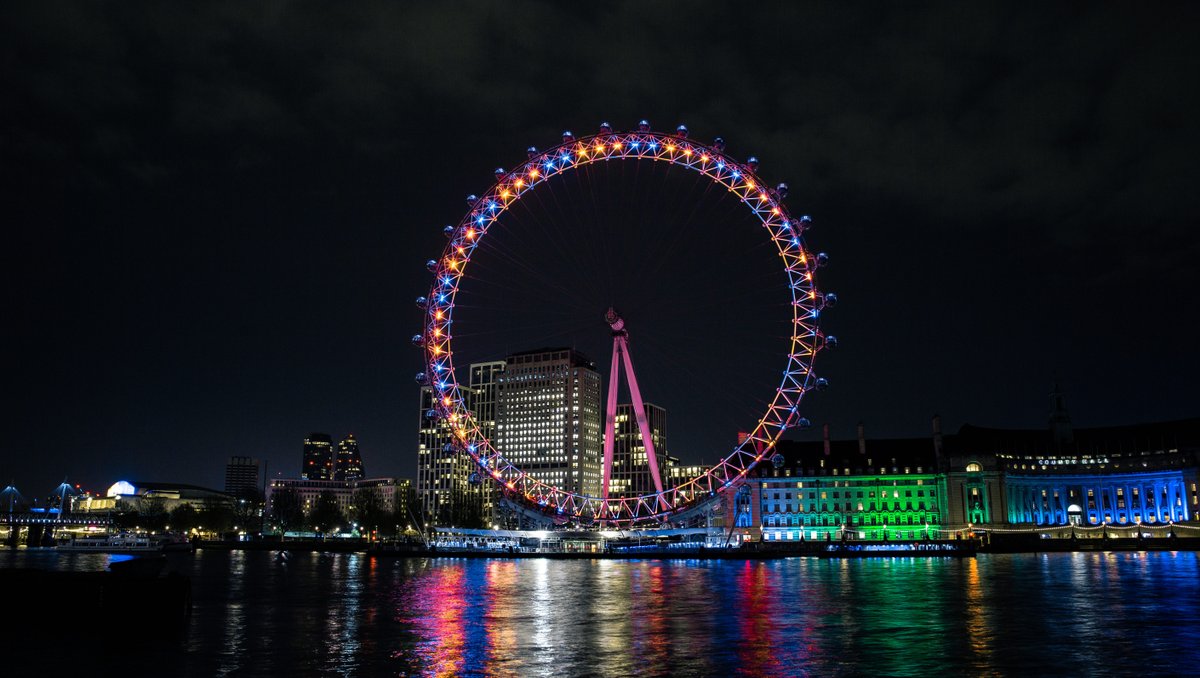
977, 478
1119, 476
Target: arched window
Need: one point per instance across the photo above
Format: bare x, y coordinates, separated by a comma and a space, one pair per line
974, 467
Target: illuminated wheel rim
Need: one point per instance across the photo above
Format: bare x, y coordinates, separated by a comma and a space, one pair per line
642, 145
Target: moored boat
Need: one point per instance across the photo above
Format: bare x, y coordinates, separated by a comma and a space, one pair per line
964, 548
125, 543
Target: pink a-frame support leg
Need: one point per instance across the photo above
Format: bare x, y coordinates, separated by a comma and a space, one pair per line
621, 354
610, 419
643, 424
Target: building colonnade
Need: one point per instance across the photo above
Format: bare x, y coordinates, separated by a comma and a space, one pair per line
1119, 499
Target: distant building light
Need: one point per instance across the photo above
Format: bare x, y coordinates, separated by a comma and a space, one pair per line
121, 488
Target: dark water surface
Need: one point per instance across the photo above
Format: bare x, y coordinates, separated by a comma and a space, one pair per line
350, 614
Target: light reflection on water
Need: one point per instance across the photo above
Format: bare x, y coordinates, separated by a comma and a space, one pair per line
349, 614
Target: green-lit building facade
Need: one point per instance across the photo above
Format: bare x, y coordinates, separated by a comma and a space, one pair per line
827, 490
864, 506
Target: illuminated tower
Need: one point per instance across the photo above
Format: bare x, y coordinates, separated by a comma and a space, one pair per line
318, 457
548, 418
349, 464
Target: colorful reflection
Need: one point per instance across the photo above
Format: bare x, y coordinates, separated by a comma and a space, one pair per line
1058, 614
756, 617
501, 636
432, 607
649, 610
978, 624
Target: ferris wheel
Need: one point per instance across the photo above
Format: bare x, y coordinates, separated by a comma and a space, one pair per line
782, 412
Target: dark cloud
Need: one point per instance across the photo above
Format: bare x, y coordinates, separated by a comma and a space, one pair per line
218, 211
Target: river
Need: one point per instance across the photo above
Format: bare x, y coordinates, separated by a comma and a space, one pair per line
353, 614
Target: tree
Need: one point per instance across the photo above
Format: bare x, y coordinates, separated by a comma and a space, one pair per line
152, 513
216, 515
326, 513
368, 509
184, 518
247, 509
469, 515
287, 511
406, 516
126, 519
462, 511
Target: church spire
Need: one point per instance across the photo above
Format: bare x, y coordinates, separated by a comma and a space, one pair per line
1060, 420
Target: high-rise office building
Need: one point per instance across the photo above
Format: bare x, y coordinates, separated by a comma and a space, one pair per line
446, 495
484, 402
678, 473
548, 418
631, 468
348, 465
243, 477
318, 457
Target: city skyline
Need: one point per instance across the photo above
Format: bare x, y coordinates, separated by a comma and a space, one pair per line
292, 465
990, 196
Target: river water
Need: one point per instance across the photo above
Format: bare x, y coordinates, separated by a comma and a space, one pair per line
352, 614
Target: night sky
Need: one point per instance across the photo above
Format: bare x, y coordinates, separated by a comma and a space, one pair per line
216, 216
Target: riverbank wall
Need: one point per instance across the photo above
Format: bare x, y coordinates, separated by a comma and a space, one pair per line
993, 543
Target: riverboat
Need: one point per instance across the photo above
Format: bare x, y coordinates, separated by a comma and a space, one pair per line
126, 543
964, 548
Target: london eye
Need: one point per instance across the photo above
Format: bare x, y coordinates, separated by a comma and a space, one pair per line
782, 410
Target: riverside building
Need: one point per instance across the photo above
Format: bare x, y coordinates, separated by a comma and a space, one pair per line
1118, 477
131, 496
393, 493
548, 418
631, 466
890, 489
1115, 476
